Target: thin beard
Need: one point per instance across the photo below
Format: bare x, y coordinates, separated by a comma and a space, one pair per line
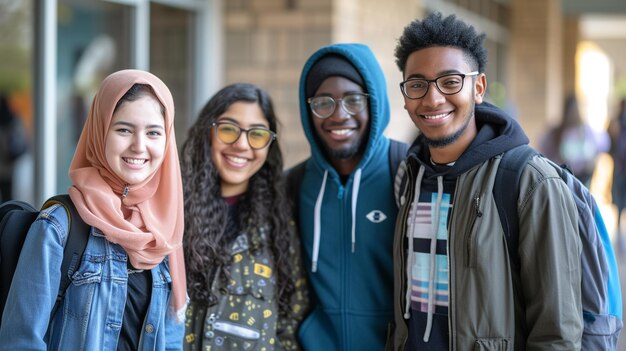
344, 154
445, 141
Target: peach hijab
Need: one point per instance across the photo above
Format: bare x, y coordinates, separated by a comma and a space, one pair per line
148, 222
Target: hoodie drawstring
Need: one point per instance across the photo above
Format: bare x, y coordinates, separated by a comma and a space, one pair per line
317, 224
432, 283
410, 249
355, 196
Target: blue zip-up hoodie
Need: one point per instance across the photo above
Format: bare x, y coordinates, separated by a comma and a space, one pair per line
347, 229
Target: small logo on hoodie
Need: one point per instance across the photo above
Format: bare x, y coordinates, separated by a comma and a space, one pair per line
376, 216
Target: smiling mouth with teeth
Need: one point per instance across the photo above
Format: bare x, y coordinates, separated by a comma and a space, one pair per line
135, 161
442, 115
438, 116
341, 131
236, 159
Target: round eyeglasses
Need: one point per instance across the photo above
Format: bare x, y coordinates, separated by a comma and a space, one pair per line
324, 106
448, 84
228, 133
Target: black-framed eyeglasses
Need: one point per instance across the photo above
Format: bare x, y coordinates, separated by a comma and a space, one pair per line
229, 133
448, 84
324, 106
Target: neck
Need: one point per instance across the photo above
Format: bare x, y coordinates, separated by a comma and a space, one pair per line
231, 200
345, 166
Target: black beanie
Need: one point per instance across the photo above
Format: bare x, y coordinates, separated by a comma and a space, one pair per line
328, 66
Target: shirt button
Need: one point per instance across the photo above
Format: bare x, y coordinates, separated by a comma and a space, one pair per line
149, 328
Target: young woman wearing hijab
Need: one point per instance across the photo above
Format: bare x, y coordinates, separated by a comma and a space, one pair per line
129, 290
244, 273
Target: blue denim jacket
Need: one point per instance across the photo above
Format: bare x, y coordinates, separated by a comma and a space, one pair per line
90, 316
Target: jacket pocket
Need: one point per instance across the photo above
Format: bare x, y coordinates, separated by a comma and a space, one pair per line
232, 336
79, 294
493, 344
601, 331
246, 314
239, 321
472, 231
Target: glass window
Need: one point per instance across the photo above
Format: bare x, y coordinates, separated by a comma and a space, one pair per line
93, 41
16, 162
171, 59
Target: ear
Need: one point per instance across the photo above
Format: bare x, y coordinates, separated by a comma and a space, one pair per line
480, 87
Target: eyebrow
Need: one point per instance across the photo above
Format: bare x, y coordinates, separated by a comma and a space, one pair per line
150, 126
234, 121
442, 73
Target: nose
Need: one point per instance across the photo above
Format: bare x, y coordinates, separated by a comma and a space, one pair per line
433, 96
242, 141
139, 142
340, 111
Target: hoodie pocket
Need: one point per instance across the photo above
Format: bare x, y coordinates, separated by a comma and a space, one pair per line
492, 344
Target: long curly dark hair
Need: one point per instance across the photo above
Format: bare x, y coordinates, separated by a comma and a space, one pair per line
264, 204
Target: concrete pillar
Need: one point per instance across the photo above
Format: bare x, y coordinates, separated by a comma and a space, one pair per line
536, 51
571, 37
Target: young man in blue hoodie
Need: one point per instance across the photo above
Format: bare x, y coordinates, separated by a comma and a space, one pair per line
345, 203
455, 287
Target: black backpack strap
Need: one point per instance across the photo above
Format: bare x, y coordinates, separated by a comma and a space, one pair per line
508, 175
78, 236
294, 176
397, 154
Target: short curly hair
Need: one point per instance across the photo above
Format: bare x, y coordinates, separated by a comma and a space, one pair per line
435, 30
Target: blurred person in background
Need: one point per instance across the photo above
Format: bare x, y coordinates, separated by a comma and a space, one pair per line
574, 143
617, 131
13, 144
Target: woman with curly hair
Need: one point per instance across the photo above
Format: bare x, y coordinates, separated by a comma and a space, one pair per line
242, 253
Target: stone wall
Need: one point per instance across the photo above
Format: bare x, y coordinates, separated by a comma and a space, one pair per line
268, 41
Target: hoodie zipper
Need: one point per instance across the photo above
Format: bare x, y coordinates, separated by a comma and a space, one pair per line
402, 221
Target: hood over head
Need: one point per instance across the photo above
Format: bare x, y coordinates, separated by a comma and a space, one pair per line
329, 66
357, 63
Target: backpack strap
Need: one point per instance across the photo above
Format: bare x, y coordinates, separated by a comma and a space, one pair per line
78, 236
294, 177
397, 154
508, 175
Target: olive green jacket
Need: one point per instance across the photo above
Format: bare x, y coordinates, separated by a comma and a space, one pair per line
491, 306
